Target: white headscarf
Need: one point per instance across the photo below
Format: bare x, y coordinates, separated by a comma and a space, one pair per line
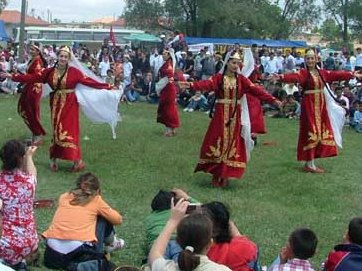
99, 105
248, 67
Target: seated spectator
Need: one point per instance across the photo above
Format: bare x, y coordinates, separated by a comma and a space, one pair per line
290, 108
194, 234
157, 219
19, 238
301, 246
110, 77
133, 91
197, 102
82, 225
2, 266
290, 88
347, 256
230, 248
357, 119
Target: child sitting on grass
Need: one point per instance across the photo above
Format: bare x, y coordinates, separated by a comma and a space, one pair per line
347, 256
301, 246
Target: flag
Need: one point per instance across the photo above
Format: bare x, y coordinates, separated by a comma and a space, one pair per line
112, 37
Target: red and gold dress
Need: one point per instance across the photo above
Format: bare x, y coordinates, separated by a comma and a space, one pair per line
256, 113
64, 108
167, 112
316, 139
223, 152
29, 101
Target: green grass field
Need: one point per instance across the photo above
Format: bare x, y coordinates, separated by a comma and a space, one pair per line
272, 199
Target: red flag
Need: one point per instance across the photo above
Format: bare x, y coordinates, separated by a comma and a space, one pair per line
112, 37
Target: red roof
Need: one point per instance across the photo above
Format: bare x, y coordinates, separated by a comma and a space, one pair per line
109, 20
13, 17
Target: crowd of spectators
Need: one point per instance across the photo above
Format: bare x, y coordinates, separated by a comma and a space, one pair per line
135, 71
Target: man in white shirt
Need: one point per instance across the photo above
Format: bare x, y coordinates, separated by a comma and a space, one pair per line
280, 60
272, 65
289, 62
104, 66
127, 70
358, 65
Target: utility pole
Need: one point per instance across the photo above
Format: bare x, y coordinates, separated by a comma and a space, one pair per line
22, 31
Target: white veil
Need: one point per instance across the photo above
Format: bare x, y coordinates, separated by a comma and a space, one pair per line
248, 67
99, 105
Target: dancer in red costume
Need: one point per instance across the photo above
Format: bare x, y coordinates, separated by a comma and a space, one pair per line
167, 112
64, 107
29, 101
317, 138
255, 109
224, 151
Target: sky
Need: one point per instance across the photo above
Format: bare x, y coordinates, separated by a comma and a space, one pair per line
72, 10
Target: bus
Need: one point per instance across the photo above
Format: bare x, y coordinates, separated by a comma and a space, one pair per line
67, 35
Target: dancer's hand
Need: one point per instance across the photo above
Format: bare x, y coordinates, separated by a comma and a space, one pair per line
278, 103
274, 77
5, 75
183, 84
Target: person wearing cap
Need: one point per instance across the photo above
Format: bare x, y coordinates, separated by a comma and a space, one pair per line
318, 138
224, 153
29, 101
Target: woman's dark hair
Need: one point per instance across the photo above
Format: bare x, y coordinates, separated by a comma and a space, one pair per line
87, 187
12, 154
194, 234
162, 201
220, 217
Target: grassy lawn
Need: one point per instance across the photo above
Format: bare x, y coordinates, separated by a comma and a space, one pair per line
272, 199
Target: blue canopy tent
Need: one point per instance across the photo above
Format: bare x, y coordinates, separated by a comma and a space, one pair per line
3, 35
248, 42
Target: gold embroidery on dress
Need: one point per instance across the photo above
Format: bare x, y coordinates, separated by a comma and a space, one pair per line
61, 137
225, 150
319, 135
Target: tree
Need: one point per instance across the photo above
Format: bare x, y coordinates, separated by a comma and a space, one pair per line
356, 17
297, 15
56, 21
144, 13
3, 4
330, 31
339, 10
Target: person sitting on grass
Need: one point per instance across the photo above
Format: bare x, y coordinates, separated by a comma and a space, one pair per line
82, 225
347, 256
157, 219
301, 246
19, 240
230, 247
357, 119
2, 266
197, 102
194, 234
290, 108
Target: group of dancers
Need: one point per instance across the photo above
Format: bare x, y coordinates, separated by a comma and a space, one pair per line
237, 114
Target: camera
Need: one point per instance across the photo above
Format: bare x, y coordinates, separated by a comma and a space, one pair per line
192, 207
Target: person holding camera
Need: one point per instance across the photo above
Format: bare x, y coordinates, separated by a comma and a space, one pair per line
19, 238
161, 212
194, 235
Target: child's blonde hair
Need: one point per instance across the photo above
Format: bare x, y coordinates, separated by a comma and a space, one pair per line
87, 187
